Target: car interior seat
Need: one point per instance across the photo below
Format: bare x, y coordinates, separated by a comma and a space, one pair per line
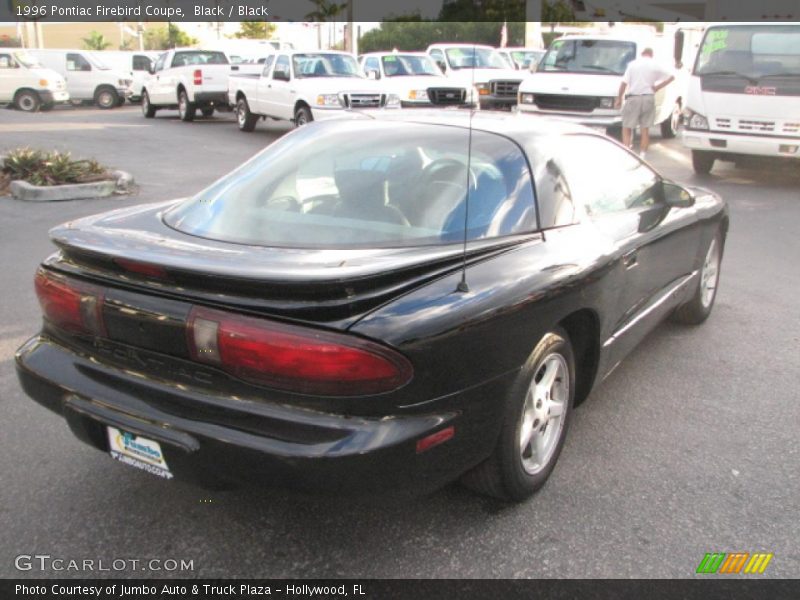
362, 195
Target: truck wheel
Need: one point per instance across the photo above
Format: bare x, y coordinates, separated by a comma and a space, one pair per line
244, 118
106, 98
27, 100
702, 162
669, 127
303, 116
186, 110
207, 112
148, 110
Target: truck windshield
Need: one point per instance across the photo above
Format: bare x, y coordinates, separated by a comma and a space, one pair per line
325, 65
470, 57
751, 52
610, 57
399, 65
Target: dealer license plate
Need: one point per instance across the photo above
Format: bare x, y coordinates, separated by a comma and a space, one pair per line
138, 451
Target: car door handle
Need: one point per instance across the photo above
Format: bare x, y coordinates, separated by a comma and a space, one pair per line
629, 259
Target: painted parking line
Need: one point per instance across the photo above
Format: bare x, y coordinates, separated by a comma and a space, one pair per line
61, 126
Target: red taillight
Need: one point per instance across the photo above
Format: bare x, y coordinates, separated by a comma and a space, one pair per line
292, 357
198, 77
140, 268
70, 305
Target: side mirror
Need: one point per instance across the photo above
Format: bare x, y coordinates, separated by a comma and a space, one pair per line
372, 74
152, 70
533, 66
677, 51
442, 65
676, 196
281, 74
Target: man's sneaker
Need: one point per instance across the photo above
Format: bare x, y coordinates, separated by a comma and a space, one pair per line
642, 154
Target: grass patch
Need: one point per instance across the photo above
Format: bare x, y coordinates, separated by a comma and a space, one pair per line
49, 168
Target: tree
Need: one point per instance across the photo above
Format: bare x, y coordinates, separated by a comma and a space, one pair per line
557, 11
164, 38
96, 41
325, 11
418, 35
255, 30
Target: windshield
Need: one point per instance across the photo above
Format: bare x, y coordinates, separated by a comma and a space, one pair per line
199, 57
26, 60
467, 57
325, 65
349, 184
751, 52
524, 58
609, 57
399, 65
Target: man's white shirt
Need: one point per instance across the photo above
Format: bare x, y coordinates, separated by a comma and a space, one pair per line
642, 74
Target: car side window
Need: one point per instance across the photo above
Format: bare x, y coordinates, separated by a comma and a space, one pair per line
77, 62
141, 63
372, 65
556, 205
605, 178
282, 64
160, 62
267, 65
6, 62
438, 57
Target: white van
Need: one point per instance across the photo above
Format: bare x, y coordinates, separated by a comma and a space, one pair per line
135, 64
89, 78
744, 94
28, 85
579, 78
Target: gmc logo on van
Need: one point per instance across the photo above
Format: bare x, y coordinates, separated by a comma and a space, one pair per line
760, 91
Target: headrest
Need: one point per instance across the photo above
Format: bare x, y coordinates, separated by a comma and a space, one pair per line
361, 187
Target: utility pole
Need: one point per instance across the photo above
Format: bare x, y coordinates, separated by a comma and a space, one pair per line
533, 25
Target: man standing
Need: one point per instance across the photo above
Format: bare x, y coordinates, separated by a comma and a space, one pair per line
642, 79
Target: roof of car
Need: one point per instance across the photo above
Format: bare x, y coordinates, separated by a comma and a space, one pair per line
460, 45
511, 125
393, 53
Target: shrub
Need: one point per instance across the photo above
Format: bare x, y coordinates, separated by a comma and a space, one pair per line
49, 168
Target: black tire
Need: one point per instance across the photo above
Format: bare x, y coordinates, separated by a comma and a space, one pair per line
148, 110
207, 112
702, 162
106, 98
27, 101
504, 474
669, 128
697, 310
186, 110
302, 116
244, 118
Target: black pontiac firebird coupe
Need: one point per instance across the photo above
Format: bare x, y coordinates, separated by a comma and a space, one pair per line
371, 304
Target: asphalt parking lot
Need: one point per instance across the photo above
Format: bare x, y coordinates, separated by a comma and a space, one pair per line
690, 446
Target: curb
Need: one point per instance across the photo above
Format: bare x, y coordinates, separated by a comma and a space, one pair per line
22, 190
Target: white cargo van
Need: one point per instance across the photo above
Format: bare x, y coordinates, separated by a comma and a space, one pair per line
579, 78
88, 77
744, 94
28, 85
136, 65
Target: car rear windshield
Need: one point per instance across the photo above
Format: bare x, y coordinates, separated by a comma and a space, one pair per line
355, 184
199, 57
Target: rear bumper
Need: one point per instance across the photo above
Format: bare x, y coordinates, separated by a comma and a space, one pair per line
211, 439
53, 96
725, 143
211, 99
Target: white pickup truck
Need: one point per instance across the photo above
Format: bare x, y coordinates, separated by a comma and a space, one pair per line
187, 79
303, 87
482, 67
28, 85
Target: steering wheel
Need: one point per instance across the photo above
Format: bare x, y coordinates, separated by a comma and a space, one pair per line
284, 203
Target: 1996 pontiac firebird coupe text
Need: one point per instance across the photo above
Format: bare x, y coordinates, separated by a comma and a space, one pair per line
372, 304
